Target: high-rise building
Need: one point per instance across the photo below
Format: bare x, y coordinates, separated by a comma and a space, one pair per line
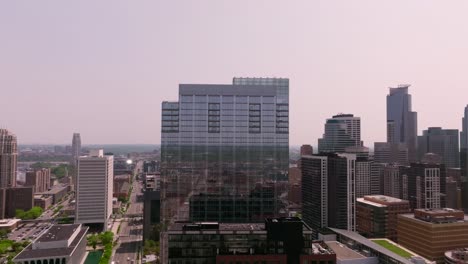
341, 131
39, 178
390, 153
464, 144
402, 122
443, 142
328, 191
392, 181
376, 215
430, 233
76, 148
425, 185
94, 188
225, 143
363, 177
8, 158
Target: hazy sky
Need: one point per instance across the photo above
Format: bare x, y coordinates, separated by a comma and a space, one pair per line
102, 68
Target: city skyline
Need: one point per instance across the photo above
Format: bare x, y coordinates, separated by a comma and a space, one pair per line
138, 54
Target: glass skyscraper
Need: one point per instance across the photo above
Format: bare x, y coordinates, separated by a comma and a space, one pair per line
402, 122
224, 149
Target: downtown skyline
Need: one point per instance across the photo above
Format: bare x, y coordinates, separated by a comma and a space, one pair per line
340, 58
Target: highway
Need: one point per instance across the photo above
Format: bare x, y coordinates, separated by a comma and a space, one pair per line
131, 229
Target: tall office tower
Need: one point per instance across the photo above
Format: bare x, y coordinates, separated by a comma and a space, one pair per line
392, 181
464, 144
94, 189
390, 153
224, 148
341, 131
426, 185
443, 142
328, 191
363, 177
402, 122
364, 166
8, 158
307, 150
76, 148
39, 178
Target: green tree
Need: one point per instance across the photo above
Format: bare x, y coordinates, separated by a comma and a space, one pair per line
3, 234
19, 213
106, 237
93, 241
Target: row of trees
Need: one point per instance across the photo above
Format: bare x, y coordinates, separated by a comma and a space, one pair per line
104, 238
34, 213
60, 171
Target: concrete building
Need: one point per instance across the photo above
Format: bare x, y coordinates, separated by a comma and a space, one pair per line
43, 201
57, 192
8, 158
376, 216
18, 198
153, 181
278, 240
430, 233
76, 148
9, 224
443, 142
39, 178
341, 131
221, 141
94, 189
402, 122
390, 153
426, 185
151, 213
61, 244
393, 182
306, 150
328, 191
121, 186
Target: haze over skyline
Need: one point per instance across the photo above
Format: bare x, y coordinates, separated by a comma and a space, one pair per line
103, 68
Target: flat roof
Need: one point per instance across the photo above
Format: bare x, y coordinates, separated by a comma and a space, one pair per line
56, 189
29, 253
343, 252
370, 244
58, 233
9, 222
411, 216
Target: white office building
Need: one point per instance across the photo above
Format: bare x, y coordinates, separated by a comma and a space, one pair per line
94, 188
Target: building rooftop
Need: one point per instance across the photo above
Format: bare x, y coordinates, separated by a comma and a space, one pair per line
370, 244
56, 189
442, 215
381, 200
30, 253
321, 248
58, 233
343, 252
8, 222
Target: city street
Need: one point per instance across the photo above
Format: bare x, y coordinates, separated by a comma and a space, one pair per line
131, 229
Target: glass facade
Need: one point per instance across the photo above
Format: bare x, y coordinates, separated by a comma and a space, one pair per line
224, 148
